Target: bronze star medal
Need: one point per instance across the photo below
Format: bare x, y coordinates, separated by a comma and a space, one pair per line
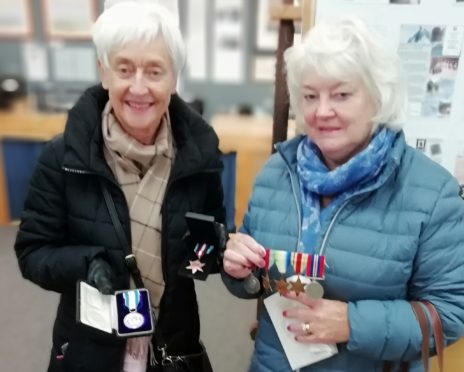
281, 286
297, 286
267, 282
195, 266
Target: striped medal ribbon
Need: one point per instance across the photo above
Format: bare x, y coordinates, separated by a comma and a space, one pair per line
311, 266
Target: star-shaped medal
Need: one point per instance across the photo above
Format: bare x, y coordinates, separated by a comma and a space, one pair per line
297, 286
195, 266
281, 286
267, 282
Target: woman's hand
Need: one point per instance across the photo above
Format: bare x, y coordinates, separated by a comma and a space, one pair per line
242, 255
327, 319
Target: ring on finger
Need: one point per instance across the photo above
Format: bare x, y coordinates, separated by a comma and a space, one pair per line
306, 327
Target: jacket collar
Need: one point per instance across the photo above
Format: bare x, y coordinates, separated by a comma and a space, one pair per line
84, 140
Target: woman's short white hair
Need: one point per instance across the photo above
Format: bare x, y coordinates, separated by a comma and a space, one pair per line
137, 21
346, 49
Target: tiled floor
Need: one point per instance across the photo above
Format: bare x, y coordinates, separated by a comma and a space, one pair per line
27, 312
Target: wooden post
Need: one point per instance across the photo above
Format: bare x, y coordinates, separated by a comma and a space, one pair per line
287, 13
281, 101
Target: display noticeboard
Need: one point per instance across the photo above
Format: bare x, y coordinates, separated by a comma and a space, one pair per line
429, 38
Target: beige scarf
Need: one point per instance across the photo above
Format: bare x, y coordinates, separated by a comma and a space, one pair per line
142, 171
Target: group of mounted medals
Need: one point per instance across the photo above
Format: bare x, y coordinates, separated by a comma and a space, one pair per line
309, 266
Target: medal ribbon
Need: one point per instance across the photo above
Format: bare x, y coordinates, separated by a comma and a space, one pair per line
296, 262
200, 250
310, 265
280, 258
267, 258
131, 299
315, 266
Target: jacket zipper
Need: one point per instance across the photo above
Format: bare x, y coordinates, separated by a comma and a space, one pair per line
76, 171
90, 173
86, 172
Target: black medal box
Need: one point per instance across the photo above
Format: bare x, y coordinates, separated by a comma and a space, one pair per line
205, 240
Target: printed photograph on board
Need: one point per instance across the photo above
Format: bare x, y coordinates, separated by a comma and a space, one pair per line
430, 56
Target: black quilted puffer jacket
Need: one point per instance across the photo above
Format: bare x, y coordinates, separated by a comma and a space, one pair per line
65, 224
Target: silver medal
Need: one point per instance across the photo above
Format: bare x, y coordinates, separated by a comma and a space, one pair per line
133, 320
314, 290
252, 284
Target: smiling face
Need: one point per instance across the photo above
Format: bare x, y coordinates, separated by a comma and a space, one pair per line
140, 81
337, 117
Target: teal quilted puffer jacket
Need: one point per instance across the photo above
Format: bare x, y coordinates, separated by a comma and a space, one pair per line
401, 239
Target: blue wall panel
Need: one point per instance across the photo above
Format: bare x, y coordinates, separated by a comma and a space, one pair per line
19, 159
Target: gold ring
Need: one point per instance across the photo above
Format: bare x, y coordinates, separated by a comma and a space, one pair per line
306, 327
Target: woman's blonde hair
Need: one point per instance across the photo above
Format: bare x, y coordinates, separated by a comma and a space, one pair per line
346, 49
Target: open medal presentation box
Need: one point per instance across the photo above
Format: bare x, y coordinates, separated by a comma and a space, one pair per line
126, 313
205, 240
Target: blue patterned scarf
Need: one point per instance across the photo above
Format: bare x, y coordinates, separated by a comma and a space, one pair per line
316, 180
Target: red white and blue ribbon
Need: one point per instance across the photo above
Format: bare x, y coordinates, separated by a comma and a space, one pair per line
315, 266
201, 250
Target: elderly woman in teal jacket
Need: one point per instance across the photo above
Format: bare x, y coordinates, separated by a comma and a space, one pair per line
388, 221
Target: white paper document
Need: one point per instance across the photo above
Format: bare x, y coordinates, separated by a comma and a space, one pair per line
298, 354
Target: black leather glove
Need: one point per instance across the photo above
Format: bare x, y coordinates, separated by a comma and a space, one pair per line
100, 275
222, 238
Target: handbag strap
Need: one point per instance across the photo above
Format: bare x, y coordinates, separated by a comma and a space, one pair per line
419, 312
437, 333
131, 262
423, 324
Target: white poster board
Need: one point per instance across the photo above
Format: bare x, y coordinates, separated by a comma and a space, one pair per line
429, 36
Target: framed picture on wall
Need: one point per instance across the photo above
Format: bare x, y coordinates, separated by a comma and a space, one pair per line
69, 19
15, 18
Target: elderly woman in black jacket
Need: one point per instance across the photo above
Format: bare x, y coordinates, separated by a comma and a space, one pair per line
134, 137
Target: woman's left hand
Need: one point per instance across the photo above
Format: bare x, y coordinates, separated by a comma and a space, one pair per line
327, 319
